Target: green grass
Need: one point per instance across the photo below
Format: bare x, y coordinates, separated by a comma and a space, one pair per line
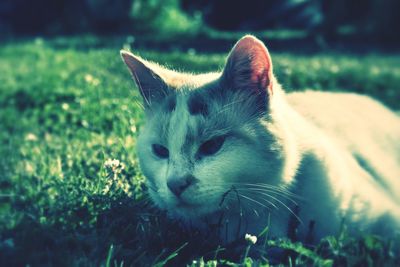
64, 112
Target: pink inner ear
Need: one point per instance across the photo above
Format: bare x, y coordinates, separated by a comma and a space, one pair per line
256, 54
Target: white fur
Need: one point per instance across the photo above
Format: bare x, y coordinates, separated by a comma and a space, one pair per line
329, 129
323, 157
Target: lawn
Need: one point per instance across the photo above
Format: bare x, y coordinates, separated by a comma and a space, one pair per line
64, 112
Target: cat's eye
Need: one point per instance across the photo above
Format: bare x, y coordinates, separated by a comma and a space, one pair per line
160, 151
211, 146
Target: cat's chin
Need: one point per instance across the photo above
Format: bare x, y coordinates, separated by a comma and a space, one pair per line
186, 208
190, 212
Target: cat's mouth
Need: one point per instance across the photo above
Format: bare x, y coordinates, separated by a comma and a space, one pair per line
185, 205
189, 208
186, 202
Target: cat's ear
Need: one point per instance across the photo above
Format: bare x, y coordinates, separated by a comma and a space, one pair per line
249, 67
151, 86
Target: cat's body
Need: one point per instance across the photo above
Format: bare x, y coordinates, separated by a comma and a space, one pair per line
350, 169
232, 152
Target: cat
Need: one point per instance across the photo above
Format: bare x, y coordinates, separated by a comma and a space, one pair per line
231, 153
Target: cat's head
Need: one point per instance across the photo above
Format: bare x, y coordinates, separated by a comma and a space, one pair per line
207, 135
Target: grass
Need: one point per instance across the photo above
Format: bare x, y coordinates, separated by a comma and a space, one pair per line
65, 112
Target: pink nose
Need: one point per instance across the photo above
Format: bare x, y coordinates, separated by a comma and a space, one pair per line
179, 184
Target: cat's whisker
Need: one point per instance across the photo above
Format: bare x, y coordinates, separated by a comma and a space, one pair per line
287, 207
268, 191
258, 202
279, 191
266, 185
151, 186
278, 201
264, 194
236, 199
139, 104
272, 187
286, 195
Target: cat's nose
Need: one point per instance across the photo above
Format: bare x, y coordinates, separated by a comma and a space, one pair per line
179, 184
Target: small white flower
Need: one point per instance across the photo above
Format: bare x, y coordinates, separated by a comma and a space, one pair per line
114, 167
65, 106
111, 163
250, 238
31, 137
88, 78
85, 124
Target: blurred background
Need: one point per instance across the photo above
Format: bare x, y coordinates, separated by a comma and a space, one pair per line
369, 23
68, 108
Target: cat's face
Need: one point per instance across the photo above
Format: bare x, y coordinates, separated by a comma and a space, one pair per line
206, 136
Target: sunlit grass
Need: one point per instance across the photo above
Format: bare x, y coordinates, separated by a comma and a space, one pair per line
64, 113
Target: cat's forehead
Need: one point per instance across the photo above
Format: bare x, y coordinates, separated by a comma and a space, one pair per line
197, 101
191, 111
192, 115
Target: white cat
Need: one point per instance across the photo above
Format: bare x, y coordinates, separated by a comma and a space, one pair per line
232, 150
